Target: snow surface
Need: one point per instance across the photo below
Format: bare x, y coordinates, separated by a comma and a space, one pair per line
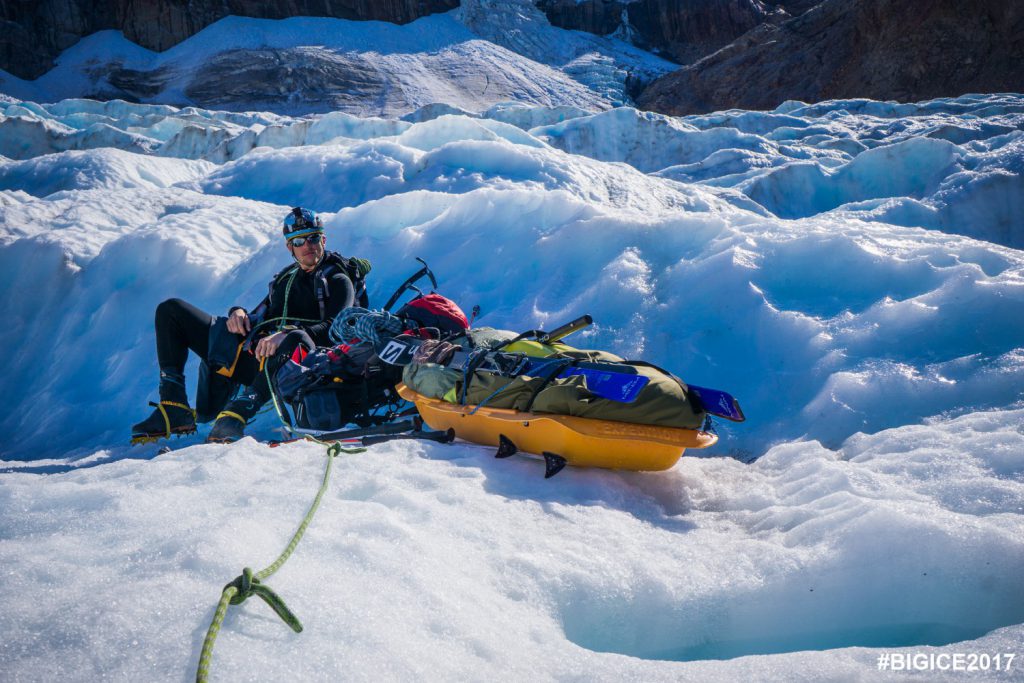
850, 270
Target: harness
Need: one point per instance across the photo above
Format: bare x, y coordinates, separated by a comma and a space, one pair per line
330, 265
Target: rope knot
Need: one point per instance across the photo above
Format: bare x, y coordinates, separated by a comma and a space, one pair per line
245, 584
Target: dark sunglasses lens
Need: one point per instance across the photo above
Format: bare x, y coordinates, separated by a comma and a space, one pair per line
299, 241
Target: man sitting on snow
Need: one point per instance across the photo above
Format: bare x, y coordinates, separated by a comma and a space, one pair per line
301, 304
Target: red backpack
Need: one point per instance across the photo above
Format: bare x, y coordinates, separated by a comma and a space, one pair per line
434, 310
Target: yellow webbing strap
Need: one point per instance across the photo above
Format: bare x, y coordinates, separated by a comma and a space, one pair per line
228, 413
167, 420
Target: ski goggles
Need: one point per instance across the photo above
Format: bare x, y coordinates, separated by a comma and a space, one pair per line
299, 241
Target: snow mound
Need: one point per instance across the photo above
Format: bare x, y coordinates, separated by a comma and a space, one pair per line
26, 136
796, 162
951, 165
693, 276
101, 169
449, 154
648, 141
912, 168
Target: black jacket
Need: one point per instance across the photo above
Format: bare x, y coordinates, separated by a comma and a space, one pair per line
337, 283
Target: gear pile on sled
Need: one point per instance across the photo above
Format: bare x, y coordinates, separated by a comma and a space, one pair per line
525, 392
578, 407
390, 374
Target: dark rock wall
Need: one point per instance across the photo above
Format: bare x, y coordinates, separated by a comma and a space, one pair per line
33, 32
687, 31
907, 50
793, 8
752, 54
600, 17
680, 30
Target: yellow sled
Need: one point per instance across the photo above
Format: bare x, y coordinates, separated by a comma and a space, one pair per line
562, 439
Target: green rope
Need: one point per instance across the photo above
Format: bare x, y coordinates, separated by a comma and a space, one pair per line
277, 406
249, 584
287, 293
282, 320
282, 326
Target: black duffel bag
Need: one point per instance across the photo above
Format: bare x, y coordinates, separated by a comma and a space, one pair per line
329, 388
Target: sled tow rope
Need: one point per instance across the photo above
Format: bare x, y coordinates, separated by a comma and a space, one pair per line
248, 583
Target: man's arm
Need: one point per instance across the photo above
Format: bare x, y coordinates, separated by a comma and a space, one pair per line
342, 296
241, 321
267, 345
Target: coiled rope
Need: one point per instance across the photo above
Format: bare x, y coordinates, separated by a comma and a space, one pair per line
374, 327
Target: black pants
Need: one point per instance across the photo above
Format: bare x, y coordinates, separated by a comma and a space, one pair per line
181, 327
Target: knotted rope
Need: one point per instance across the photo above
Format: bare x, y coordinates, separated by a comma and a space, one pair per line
248, 584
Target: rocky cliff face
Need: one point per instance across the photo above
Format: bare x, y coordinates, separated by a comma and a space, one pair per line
752, 54
680, 30
33, 33
907, 50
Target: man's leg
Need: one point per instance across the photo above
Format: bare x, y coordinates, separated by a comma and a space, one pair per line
230, 424
180, 327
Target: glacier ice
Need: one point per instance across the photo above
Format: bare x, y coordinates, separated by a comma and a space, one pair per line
871, 503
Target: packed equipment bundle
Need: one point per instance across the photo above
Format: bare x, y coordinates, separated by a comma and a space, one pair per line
571, 406
527, 392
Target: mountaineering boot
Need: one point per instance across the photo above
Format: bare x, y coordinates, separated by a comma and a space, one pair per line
229, 427
172, 415
231, 422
